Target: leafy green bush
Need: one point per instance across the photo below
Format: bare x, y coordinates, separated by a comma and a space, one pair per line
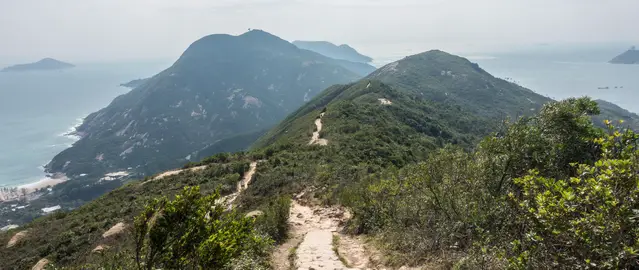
274, 220
193, 232
590, 220
550, 191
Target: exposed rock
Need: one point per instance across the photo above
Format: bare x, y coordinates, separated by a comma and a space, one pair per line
255, 214
42, 263
384, 101
115, 230
100, 248
16, 238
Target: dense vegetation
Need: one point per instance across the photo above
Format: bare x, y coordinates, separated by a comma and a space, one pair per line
67, 238
610, 111
222, 86
546, 190
219, 96
550, 191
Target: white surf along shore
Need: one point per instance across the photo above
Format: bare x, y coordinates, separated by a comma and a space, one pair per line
49, 180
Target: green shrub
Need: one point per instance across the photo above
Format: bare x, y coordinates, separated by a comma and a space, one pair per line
193, 232
550, 191
590, 220
274, 221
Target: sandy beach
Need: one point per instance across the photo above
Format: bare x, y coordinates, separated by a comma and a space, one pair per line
45, 182
30, 188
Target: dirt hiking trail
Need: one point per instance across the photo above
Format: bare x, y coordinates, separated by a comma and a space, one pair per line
316, 139
315, 241
176, 172
241, 186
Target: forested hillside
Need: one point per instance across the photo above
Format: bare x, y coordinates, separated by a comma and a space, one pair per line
440, 165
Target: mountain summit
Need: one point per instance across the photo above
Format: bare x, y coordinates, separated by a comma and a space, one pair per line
221, 86
343, 52
430, 99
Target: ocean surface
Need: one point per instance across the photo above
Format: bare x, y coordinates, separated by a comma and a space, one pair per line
38, 110
560, 73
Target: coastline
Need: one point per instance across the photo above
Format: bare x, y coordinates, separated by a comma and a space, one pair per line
52, 180
27, 190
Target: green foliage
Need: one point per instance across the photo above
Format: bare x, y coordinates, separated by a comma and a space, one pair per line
222, 86
612, 112
67, 238
585, 221
274, 220
550, 191
193, 232
384, 162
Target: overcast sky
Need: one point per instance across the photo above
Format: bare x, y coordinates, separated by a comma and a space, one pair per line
100, 30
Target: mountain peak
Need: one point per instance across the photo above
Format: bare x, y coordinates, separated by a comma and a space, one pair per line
224, 46
342, 52
222, 86
435, 63
259, 33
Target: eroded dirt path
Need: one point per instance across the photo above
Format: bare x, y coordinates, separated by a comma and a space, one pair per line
316, 139
241, 186
315, 241
175, 172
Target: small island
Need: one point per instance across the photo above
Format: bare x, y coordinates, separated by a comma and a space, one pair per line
134, 83
342, 52
631, 56
44, 64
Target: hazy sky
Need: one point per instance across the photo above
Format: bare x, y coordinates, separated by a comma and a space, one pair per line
99, 30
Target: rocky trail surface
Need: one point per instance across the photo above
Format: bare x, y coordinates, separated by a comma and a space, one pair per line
316, 134
316, 242
241, 186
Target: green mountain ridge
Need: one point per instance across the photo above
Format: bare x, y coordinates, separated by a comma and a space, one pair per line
612, 112
394, 118
331, 50
364, 136
220, 87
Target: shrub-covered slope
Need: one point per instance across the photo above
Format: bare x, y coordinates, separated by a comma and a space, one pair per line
221, 86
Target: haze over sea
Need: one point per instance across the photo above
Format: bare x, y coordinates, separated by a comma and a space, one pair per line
38, 108
555, 71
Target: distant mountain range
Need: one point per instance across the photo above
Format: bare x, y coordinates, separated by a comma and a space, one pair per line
343, 52
222, 86
630, 56
44, 64
322, 128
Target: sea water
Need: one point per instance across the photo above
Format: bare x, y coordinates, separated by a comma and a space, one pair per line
561, 75
38, 109
552, 71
